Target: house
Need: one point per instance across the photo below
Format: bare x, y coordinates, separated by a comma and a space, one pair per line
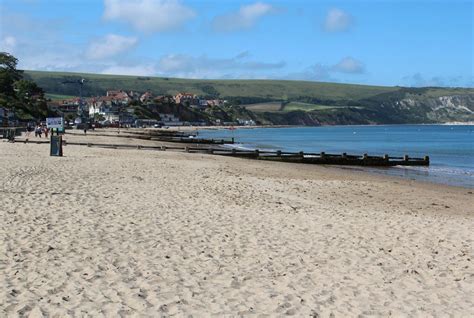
119, 96
168, 118
215, 102
146, 97
246, 122
162, 99
65, 106
186, 99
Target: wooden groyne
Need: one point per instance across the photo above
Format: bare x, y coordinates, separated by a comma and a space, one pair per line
328, 159
177, 138
292, 157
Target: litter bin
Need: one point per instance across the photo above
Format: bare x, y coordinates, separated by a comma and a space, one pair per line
56, 146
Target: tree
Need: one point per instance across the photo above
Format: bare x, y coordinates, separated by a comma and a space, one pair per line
30, 98
24, 97
8, 76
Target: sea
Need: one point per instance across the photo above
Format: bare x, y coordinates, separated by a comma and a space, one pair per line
450, 147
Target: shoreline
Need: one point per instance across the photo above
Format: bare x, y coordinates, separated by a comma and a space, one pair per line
376, 172
194, 128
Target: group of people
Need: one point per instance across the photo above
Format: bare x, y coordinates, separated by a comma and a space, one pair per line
39, 130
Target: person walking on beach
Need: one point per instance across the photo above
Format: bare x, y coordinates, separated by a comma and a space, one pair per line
29, 129
46, 131
38, 131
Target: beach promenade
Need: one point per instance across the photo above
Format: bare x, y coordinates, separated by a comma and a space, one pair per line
107, 232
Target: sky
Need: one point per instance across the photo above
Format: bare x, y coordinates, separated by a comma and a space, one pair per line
378, 42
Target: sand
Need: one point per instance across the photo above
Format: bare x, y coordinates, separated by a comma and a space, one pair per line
104, 232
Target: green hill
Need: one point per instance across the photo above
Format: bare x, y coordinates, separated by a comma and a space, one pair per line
290, 102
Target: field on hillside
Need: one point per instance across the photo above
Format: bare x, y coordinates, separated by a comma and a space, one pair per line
264, 107
58, 97
294, 106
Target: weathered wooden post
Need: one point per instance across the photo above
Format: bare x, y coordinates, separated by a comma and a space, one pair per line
385, 157
301, 153
366, 156
344, 155
405, 158
427, 160
163, 148
232, 139
257, 153
210, 151
234, 151
186, 149
322, 155
279, 153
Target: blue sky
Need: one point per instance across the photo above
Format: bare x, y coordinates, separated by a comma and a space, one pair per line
407, 43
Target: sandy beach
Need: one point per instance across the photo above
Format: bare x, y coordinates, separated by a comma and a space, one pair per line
106, 232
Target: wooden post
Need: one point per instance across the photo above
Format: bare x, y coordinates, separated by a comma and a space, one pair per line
405, 158
186, 149
385, 157
366, 156
232, 139
322, 154
234, 151
257, 152
344, 155
301, 153
211, 151
427, 159
279, 153
139, 147
163, 148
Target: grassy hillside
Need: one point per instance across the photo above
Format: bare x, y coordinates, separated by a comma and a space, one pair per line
289, 102
258, 89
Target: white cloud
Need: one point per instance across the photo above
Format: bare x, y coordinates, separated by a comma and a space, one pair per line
419, 80
149, 15
204, 66
349, 65
316, 72
8, 44
139, 70
245, 18
324, 72
111, 45
338, 20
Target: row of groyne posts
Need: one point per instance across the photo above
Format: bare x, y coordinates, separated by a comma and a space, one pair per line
218, 147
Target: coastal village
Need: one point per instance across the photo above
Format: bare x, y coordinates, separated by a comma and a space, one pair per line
119, 107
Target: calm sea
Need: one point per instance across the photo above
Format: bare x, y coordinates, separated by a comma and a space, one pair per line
451, 148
